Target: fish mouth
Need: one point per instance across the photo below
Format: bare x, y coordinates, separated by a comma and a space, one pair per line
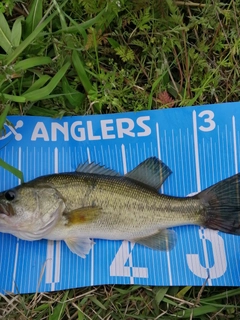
7, 209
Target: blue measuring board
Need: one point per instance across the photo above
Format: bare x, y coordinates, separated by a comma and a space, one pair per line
200, 144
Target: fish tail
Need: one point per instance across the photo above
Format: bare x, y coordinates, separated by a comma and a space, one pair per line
221, 205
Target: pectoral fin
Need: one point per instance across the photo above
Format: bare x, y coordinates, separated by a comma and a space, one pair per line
80, 246
164, 240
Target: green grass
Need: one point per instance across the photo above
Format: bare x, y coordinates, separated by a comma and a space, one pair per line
83, 57
125, 302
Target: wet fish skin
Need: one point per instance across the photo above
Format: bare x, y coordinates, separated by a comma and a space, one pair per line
28, 216
95, 202
126, 209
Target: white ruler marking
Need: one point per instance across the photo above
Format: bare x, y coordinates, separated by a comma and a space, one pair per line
89, 156
58, 243
102, 154
109, 157
195, 138
53, 274
182, 161
189, 159
130, 248
205, 253
197, 166
92, 250
49, 261
219, 153
34, 162
211, 149
227, 150
130, 155
235, 144
56, 170
15, 265
159, 148
17, 244
162, 190
124, 159
57, 261
130, 245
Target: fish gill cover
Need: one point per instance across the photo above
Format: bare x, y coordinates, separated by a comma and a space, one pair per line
199, 144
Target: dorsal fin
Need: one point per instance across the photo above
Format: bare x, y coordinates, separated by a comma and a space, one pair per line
152, 172
96, 168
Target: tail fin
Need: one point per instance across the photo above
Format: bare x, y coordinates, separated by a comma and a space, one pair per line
221, 205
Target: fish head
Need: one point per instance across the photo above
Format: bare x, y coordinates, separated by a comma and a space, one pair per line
30, 212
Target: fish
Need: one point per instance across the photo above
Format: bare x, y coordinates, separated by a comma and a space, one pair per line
96, 202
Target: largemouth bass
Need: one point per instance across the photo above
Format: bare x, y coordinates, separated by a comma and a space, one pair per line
95, 202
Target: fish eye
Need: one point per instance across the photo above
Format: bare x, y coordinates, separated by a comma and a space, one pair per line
10, 195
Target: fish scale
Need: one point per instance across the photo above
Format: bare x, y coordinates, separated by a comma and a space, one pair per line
121, 199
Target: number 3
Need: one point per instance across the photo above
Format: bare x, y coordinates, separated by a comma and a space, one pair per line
209, 120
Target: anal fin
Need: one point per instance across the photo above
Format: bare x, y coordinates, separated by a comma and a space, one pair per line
80, 246
164, 240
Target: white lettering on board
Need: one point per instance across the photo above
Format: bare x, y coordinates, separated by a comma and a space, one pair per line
208, 121
106, 128
89, 130
118, 266
125, 127
40, 132
219, 266
146, 129
77, 132
61, 128
91, 135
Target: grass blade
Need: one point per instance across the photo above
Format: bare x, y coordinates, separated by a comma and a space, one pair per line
17, 31
98, 303
29, 39
155, 84
195, 312
160, 294
114, 44
10, 97
34, 17
82, 26
82, 75
78, 28
3, 116
5, 34
12, 169
183, 291
44, 112
224, 295
59, 309
32, 62
45, 91
61, 15
38, 83
74, 97
81, 72
2, 57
